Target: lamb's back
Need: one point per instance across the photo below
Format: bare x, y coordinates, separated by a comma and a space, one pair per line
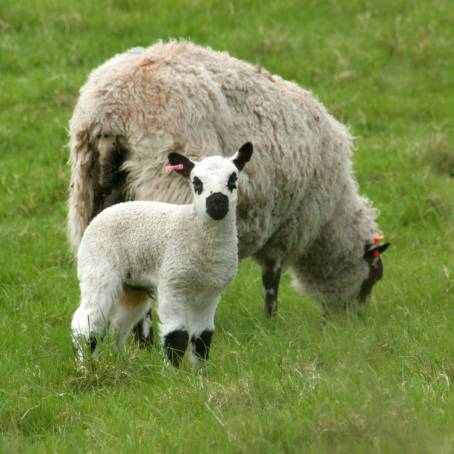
130, 237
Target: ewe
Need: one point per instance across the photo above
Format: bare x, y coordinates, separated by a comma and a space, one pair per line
187, 253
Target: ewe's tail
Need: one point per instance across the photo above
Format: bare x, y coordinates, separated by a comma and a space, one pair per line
97, 180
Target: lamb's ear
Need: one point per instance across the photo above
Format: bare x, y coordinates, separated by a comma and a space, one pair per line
375, 250
182, 164
243, 155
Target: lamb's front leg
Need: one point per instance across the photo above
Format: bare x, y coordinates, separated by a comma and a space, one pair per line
201, 324
173, 327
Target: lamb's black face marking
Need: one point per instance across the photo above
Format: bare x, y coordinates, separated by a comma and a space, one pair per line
198, 185
231, 184
217, 206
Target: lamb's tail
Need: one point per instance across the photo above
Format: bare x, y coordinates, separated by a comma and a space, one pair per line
97, 179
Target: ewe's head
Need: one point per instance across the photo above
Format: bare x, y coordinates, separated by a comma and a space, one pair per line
214, 180
343, 280
357, 279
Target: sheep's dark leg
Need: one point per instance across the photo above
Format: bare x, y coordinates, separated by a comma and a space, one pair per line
271, 275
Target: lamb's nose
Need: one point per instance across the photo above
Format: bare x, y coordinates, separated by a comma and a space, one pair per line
217, 205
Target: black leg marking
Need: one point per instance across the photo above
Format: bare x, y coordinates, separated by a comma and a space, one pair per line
92, 342
143, 331
201, 344
175, 344
271, 276
80, 346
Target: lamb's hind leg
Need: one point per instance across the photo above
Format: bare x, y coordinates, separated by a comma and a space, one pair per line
271, 276
91, 319
127, 314
143, 329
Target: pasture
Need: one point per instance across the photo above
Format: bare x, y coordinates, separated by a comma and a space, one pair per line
382, 382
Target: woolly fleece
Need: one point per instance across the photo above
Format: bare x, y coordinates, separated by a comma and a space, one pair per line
299, 204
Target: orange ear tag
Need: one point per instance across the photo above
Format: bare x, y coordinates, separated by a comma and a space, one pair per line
378, 239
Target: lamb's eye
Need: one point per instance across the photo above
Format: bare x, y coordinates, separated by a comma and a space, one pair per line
231, 184
198, 185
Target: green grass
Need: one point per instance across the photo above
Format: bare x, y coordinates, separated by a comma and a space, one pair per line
380, 383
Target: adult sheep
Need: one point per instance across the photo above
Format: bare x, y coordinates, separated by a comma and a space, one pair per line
299, 206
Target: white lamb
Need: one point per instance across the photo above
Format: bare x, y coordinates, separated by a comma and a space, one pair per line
187, 253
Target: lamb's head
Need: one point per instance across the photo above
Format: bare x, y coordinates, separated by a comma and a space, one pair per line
214, 181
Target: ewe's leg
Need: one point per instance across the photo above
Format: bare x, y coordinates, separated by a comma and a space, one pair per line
271, 275
173, 328
201, 325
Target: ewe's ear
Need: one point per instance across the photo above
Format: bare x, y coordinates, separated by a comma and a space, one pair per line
177, 159
375, 250
243, 155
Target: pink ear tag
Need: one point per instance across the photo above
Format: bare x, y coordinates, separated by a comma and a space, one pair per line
170, 168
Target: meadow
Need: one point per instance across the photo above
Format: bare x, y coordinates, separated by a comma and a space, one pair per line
382, 382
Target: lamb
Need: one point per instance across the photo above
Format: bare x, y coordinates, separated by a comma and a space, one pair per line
299, 207
188, 253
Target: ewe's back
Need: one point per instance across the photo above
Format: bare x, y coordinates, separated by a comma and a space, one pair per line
178, 96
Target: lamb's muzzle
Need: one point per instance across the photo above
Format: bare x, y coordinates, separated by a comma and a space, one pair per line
217, 205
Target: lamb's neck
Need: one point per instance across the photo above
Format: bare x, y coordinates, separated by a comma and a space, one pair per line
223, 230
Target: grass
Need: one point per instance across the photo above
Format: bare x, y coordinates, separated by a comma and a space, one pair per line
380, 383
